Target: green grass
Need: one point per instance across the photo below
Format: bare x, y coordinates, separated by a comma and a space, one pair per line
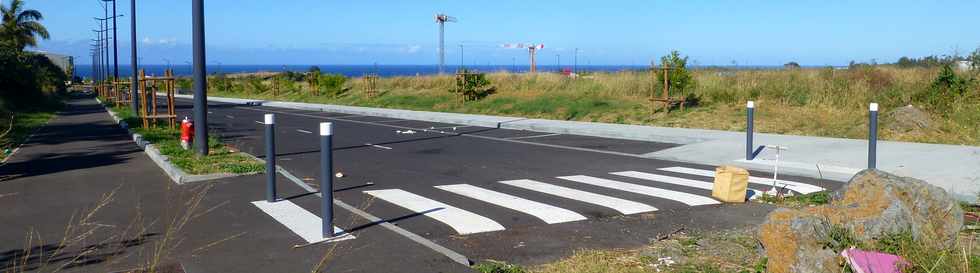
810, 199
221, 159
490, 266
24, 123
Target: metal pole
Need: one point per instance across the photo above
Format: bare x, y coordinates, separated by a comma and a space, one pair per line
749, 129
326, 177
442, 46
270, 157
106, 36
575, 67
115, 45
134, 84
200, 80
873, 137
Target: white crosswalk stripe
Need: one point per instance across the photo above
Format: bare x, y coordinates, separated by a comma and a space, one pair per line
794, 186
302, 222
464, 222
683, 197
622, 205
676, 181
547, 213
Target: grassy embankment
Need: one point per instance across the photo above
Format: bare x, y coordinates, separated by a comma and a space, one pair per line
19, 125
221, 159
815, 102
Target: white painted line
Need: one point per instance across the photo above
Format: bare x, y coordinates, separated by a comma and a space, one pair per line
378, 146
547, 213
683, 197
676, 181
209, 112
794, 186
300, 221
453, 255
464, 222
622, 205
804, 166
229, 116
304, 131
447, 127
259, 122
389, 121
537, 136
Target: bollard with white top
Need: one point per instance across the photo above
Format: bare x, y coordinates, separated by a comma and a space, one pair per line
873, 136
326, 177
749, 126
270, 157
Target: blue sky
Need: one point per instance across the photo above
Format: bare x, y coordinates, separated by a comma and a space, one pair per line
751, 32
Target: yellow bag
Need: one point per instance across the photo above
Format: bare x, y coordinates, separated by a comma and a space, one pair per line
730, 184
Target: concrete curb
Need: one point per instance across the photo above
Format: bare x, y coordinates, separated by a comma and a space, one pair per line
176, 174
827, 158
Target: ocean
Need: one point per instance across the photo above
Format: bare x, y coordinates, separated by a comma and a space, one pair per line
85, 71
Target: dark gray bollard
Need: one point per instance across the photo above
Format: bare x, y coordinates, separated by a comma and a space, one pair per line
326, 177
270, 157
749, 126
873, 136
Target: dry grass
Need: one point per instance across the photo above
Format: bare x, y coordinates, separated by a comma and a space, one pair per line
816, 102
145, 244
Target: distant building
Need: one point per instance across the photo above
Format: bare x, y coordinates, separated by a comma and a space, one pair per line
65, 62
964, 65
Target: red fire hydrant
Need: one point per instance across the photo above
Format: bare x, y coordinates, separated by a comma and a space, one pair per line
186, 133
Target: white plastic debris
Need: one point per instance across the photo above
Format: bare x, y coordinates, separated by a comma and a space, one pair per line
339, 174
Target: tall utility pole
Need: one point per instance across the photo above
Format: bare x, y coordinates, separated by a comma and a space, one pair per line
115, 44
442, 19
558, 61
575, 67
200, 80
134, 84
105, 22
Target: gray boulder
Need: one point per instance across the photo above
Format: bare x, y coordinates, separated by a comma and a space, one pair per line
872, 205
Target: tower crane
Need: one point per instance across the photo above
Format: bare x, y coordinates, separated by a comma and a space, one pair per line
532, 50
442, 19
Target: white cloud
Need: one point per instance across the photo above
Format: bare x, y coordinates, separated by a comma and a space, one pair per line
413, 49
161, 41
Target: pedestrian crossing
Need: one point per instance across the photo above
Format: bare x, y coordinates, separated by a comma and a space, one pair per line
573, 188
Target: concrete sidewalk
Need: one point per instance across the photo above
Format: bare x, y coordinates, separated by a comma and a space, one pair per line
952, 167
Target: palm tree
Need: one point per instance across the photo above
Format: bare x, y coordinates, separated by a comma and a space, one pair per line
20, 28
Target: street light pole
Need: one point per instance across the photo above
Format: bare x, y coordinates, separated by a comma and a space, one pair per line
115, 42
200, 80
575, 67
134, 85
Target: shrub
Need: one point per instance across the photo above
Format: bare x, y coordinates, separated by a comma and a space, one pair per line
332, 84
680, 78
28, 80
473, 86
946, 88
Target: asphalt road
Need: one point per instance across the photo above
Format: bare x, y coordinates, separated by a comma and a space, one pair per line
488, 193
80, 196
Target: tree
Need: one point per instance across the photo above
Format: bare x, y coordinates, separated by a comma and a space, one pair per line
792, 65
20, 28
680, 78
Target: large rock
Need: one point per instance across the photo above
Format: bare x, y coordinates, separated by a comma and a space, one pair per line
906, 119
873, 204
793, 240
876, 203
